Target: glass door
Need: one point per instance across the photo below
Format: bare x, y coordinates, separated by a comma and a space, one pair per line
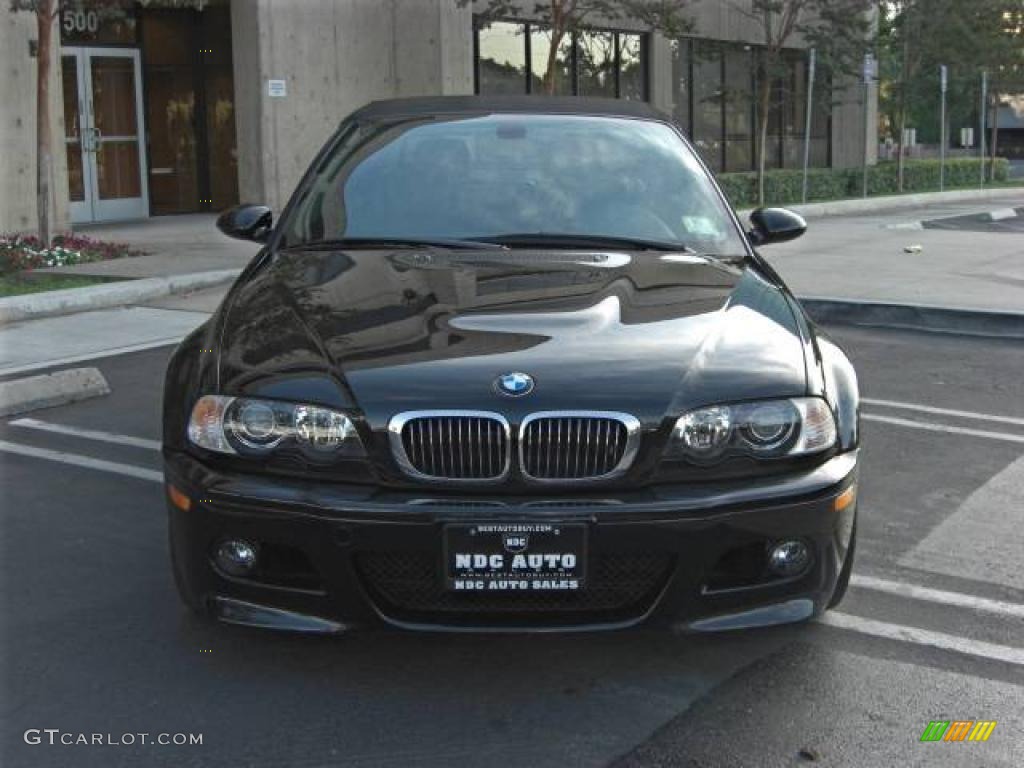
104, 134
75, 123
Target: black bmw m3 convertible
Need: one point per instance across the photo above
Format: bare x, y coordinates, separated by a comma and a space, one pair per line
510, 365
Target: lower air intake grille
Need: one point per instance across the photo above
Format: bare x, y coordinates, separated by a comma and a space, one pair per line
409, 585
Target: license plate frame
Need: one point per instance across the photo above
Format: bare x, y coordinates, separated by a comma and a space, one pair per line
554, 542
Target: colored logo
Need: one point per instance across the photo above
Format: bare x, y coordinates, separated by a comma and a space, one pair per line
958, 730
514, 384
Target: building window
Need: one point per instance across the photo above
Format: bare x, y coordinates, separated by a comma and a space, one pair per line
596, 64
787, 117
716, 106
738, 98
501, 61
708, 92
682, 77
632, 67
513, 57
561, 73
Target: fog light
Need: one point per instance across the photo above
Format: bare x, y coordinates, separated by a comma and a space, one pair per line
789, 558
236, 557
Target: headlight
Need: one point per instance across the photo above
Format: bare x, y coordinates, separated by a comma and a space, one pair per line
244, 425
767, 429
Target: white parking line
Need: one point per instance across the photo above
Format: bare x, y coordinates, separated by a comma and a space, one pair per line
943, 411
958, 599
112, 352
83, 461
941, 640
88, 434
933, 427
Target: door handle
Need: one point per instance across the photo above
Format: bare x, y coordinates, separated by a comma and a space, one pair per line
95, 136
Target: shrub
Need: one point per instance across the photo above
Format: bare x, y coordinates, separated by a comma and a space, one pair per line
23, 252
784, 187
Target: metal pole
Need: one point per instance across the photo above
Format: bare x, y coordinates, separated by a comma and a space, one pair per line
942, 129
869, 72
981, 136
807, 122
867, 88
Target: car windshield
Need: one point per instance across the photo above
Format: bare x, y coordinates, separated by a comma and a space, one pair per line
521, 179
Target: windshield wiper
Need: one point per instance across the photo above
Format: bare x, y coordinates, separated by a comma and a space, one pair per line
354, 243
559, 240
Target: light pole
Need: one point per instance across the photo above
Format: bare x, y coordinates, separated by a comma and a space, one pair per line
981, 139
807, 121
942, 128
869, 72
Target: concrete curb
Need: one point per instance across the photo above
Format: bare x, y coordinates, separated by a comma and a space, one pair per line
47, 304
895, 202
922, 317
67, 386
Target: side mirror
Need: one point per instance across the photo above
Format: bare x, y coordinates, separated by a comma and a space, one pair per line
775, 225
247, 222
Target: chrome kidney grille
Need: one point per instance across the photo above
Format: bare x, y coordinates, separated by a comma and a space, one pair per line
554, 446
451, 445
558, 446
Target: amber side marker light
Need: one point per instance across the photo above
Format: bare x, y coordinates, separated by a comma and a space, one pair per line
845, 499
179, 499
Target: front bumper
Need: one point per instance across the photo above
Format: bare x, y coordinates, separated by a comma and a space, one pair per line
345, 556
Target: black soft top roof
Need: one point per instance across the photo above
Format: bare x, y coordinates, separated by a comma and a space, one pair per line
427, 106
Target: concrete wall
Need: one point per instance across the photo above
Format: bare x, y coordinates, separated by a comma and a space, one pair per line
18, 127
335, 56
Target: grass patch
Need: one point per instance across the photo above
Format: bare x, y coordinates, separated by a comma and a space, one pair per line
34, 282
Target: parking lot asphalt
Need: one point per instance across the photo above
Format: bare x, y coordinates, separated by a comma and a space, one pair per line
95, 640
948, 255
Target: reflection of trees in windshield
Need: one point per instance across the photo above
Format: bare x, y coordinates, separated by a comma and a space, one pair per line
500, 174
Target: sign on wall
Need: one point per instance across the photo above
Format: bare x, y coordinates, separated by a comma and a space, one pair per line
92, 23
277, 89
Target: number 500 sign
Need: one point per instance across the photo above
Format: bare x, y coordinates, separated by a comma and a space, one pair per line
80, 21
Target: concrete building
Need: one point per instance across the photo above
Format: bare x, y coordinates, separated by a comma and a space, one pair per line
163, 110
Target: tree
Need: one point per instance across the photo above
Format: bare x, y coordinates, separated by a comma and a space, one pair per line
837, 29
1008, 72
45, 12
563, 17
918, 36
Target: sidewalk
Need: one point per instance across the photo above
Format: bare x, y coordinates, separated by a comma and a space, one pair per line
184, 254
175, 245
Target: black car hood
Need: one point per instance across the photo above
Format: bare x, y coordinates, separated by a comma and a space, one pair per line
646, 333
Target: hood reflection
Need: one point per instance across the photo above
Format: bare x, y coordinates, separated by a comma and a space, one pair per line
416, 329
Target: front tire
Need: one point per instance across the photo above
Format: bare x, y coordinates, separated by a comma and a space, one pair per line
844, 575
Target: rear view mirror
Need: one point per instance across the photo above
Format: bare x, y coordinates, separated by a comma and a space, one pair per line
775, 225
247, 222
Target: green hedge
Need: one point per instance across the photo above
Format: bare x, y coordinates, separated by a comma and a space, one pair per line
784, 187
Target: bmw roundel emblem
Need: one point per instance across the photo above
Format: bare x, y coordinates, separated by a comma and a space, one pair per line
514, 384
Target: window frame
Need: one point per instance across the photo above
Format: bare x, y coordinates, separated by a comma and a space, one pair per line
528, 27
